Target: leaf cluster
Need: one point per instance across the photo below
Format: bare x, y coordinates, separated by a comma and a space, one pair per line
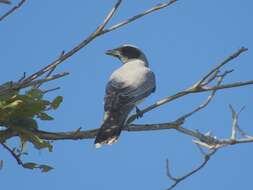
20, 112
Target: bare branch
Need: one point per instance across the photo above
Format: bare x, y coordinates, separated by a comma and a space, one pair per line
5, 1
49, 72
12, 10
47, 79
23, 77
91, 37
87, 134
131, 19
177, 180
232, 140
209, 99
23, 84
50, 90
206, 140
168, 173
98, 32
90, 134
231, 57
153, 127
186, 92
225, 86
234, 124
203, 139
198, 87
17, 157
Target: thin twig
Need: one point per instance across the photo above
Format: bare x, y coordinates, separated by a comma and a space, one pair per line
17, 157
50, 71
23, 77
208, 100
22, 84
186, 92
231, 57
234, 123
98, 32
196, 88
51, 67
168, 173
13, 9
50, 90
201, 86
177, 180
91, 37
131, 19
39, 81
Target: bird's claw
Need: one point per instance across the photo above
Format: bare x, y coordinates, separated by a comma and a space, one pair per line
139, 114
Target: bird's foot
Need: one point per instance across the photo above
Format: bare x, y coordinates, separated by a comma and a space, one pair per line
139, 114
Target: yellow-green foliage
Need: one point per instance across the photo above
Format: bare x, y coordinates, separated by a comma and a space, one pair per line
20, 112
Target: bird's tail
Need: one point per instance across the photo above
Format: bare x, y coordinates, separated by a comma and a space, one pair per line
108, 133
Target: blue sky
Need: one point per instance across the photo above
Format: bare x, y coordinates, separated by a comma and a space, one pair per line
181, 42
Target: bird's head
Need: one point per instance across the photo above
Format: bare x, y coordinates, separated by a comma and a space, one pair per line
127, 52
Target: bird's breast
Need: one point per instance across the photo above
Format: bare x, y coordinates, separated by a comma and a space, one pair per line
131, 74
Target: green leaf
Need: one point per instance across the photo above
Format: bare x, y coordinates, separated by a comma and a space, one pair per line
13, 105
44, 116
29, 107
11, 92
30, 165
25, 123
23, 143
35, 93
37, 142
56, 102
45, 168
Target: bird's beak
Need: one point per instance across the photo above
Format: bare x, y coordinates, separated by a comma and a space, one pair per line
112, 52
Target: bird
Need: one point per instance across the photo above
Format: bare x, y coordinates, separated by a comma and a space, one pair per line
128, 86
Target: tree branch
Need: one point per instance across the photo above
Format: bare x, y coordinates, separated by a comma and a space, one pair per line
65, 56
177, 180
12, 10
15, 156
22, 84
209, 99
227, 60
203, 138
131, 19
98, 32
5, 1
212, 143
203, 85
198, 87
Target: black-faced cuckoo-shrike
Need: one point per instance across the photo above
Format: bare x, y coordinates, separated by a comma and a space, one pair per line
127, 87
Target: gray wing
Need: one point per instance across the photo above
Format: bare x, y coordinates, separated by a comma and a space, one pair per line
121, 98
119, 94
